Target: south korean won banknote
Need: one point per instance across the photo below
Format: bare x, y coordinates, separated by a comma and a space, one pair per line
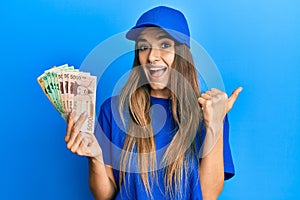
67, 89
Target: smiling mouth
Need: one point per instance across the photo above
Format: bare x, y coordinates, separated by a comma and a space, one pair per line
157, 71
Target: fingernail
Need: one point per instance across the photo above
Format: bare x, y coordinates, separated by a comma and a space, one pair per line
84, 114
72, 111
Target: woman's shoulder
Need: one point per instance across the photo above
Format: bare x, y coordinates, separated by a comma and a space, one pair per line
109, 108
110, 103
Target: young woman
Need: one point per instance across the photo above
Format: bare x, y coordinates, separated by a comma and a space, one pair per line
161, 138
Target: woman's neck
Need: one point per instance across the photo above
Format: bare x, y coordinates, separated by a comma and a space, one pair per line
165, 93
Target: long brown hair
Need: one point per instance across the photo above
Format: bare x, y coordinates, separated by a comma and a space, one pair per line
135, 101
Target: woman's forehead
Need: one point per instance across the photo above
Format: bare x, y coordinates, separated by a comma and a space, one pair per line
154, 32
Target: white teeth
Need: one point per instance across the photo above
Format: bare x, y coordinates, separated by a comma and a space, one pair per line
156, 69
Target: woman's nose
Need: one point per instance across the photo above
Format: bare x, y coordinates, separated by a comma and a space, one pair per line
154, 55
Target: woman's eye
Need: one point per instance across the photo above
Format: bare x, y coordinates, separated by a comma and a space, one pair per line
165, 45
143, 47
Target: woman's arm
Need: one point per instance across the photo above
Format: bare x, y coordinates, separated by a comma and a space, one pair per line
101, 179
102, 187
215, 104
211, 169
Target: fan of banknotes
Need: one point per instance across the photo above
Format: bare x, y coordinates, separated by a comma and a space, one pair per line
67, 89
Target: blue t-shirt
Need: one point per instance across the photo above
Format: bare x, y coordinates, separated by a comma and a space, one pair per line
110, 134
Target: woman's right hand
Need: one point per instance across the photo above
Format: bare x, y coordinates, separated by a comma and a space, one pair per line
101, 178
81, 143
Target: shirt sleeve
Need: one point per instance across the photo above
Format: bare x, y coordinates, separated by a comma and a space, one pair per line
228, 161
103, 132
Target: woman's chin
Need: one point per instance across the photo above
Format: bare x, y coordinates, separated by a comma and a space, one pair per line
158, 86
159, 90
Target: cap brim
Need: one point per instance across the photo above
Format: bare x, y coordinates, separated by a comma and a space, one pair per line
135, 31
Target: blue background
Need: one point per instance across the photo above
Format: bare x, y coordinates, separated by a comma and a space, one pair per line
254, 44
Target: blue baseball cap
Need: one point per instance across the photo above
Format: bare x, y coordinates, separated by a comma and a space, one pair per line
170, 20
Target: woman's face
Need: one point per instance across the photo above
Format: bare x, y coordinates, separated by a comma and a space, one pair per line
156, 50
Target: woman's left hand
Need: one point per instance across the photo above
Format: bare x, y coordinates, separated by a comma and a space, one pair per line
215, 104
233, 98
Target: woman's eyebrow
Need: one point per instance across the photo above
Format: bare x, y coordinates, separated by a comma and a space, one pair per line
165, 36
141, 40
159, 37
